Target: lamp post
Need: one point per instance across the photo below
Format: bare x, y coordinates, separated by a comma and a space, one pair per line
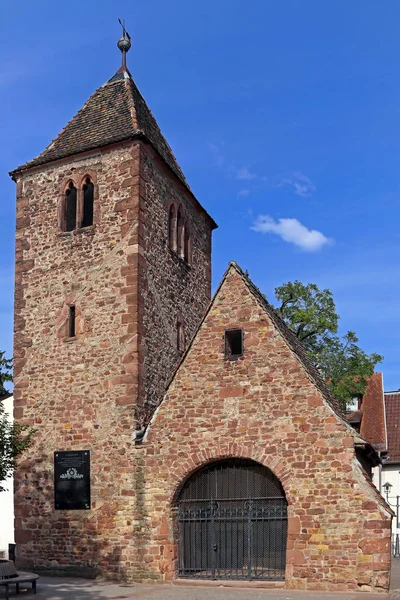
387, 486
396, 546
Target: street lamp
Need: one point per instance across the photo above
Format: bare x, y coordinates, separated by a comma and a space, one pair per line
396, 547
388, 486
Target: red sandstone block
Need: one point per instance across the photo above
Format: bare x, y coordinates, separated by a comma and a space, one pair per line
295, 557
375, 524
369, 505
231, 392
293, 525
315, 401
23, 536
22, 222
374, 546
125, 401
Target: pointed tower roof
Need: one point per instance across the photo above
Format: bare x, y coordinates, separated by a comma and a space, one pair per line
115, 112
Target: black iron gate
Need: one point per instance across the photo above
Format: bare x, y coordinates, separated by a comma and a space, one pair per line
232, 521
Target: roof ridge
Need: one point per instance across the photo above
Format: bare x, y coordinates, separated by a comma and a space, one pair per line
127, 81
174, 165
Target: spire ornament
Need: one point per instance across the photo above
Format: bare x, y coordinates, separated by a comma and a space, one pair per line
124, 43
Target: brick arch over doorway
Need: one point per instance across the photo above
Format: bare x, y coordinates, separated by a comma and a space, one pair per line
192, 463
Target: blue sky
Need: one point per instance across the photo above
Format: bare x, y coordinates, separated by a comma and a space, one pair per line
283, 116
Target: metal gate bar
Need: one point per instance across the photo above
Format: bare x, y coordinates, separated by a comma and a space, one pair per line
232, 523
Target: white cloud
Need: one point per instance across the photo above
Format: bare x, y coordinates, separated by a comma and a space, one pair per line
292, 231
218, 156
300, 184
243, 194
244, 173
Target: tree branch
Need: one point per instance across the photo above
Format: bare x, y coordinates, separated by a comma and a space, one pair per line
309, 334
284, 304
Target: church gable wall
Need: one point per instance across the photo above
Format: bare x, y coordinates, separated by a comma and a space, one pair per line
263, 406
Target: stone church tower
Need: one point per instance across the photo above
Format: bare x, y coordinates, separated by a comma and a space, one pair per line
113, 275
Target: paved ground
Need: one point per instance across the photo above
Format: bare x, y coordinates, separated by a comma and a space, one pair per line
85, 589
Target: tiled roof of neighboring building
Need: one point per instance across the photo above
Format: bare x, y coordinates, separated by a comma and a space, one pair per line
115, 112
373, 426
355, 417
392, 404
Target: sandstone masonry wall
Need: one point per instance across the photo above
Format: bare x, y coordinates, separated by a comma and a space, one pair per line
82, 393
172, 290
264, 407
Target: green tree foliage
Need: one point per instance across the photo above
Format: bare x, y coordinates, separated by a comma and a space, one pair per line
311, 314
5, 372
15, 438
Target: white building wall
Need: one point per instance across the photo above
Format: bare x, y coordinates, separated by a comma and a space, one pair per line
7, 500
390, 474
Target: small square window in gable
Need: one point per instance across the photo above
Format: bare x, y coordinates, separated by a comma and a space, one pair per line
233, 343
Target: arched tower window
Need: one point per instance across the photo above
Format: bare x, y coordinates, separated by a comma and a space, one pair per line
180, 229
70, 208
186, 244
172, 228
88, 199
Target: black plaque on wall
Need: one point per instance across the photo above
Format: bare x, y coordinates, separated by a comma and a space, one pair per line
72, 480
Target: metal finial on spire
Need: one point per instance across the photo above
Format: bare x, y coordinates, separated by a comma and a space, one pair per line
124, 43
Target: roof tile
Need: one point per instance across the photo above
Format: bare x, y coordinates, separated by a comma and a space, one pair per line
373, 426
115, 112
392, 403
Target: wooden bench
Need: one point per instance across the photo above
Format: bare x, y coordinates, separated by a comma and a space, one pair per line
10, 576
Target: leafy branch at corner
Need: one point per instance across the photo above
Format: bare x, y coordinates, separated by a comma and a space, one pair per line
15, 438
311, 314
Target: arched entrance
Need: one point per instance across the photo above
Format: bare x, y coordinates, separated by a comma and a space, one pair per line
232, 523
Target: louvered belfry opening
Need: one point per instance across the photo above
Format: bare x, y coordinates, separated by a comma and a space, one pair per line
232, 523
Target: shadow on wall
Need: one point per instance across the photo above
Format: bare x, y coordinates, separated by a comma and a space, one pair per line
59, 542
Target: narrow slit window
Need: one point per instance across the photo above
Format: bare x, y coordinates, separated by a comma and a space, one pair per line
233, 343
180, 338
71, 322
88, 201
180, 228
70, 208
171, 228
186, 247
